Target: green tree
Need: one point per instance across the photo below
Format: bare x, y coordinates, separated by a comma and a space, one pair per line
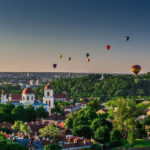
96, 146
131, 139
41, 112
19, 113
52, 147
50, 131
102, 134
82, 130
31, 113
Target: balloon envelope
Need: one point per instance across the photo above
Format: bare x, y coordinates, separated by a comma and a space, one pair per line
108, 47
60, 56
127, 38
136, 69
87, 55
88, 59
54, 66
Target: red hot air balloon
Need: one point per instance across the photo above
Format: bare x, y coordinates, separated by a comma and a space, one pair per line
88, 60
108, 47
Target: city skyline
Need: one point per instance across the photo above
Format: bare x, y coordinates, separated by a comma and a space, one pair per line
33, 33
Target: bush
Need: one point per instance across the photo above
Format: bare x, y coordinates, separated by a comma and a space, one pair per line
116, 143
52, 147
115, 135
96, 147
131, 139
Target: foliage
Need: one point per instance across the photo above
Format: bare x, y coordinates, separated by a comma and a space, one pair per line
96, 146
131, 138
20, 126
50, 131
102, 134
31, 113
41, 112
52, 147
82, 130
124, 115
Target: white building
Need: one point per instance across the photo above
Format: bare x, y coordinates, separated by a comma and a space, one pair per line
48, 97
3, 97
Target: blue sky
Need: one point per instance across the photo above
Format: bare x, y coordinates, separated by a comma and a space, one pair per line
34, 32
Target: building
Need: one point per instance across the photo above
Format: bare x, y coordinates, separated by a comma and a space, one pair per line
28, 97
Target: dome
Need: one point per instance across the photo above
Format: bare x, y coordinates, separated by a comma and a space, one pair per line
48, 87
27, 91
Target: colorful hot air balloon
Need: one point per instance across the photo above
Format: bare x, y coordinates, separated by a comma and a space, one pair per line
54, 66
69, 58
136, 69
108, 47
87, 55
127, 38
88, 60
60, 56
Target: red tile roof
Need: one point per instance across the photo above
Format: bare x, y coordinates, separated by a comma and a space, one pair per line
16, 97
61, 96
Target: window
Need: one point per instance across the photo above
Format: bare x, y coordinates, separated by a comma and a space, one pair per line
27, 97
23, 98
46, 102
47, 93
31, 97
49, 103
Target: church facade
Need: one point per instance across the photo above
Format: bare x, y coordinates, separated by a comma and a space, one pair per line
28, 97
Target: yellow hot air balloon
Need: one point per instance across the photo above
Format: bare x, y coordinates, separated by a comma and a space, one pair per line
136, 69
60, 56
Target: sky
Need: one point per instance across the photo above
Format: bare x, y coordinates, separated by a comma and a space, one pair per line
34, 32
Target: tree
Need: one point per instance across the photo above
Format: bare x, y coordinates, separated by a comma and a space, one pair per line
20, 126
19, 113
31, 113
96, 146
41, 112
124, 115
94, 105
82, 130
69, 123
131, 139
50, 131
52, 147
102, 134
115, 138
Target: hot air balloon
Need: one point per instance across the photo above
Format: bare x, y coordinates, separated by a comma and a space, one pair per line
136, 69
60, 56
127, 38
88, 60
108, 47
69, 58
87, 55
54, 66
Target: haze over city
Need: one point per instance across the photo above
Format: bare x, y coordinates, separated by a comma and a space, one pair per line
32, 34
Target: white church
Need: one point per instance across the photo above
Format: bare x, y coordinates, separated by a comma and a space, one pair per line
28, 97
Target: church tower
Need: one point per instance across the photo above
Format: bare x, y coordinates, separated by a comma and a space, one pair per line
3, 97
28, 96
48, 97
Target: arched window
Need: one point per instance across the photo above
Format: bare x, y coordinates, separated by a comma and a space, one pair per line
47, 93
46, 102
27, 97
49, 103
